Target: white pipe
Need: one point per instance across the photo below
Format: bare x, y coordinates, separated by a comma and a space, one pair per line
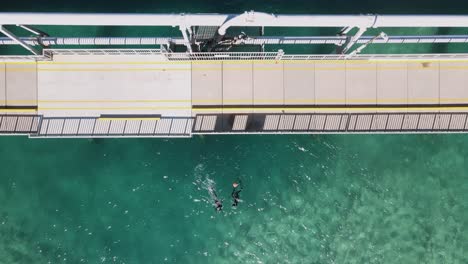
347, 21
421, 21
262, 19
75, 19
225, 21
17, 40
354, 39
32, 30
186, 39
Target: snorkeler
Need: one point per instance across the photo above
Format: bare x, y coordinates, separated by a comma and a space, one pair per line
218, 204
235, 193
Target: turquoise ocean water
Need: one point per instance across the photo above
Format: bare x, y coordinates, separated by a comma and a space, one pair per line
306, 198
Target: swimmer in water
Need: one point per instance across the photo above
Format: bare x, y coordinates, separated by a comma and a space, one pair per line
218, 204
235, 193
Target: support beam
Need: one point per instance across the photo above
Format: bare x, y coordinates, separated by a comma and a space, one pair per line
189, 30
17, 40
354, 39
35, 31
344, 31
363, 46
187, 41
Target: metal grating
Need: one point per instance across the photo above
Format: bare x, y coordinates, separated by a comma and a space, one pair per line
240, 122
331, 123
281, 56
19, 124
95, 127
302, 122
205, 32
37, 126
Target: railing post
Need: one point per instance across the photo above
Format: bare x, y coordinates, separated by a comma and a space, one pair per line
279, 55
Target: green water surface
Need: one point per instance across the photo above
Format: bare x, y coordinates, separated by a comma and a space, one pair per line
306, 199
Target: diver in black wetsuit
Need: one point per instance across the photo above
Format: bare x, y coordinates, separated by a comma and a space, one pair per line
235, 193
218, 204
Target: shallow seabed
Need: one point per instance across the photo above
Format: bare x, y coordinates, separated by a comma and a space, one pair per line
306, 199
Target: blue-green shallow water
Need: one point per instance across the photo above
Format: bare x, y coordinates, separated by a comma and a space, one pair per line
306, 199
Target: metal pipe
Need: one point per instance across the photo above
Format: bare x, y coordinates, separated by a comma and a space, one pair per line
258, 19
421, 21
33, 30
186, 39
346, 21
261, 40
224, 21
354, 39
76, 19
382, 35
18, 40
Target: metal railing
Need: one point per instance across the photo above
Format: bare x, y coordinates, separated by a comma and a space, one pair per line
281, 56
101, 127
93, 41
446, 56
104, 51
427, 122
341, 40
220, 56
331, 123
19, 124
208, 32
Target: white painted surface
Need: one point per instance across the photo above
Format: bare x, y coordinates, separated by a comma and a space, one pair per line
245, 19
131, 85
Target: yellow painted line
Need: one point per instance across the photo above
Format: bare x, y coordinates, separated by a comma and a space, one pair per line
109, 69
257, 101
250, 101
227, 108
319, 61
374, 61
17, 110
97, 101
116, 108
19, 101
227, 62
229, 69
316, 68
454, 100
19, 62
131, 118
318, 65
110, 62
113, 101
324, 109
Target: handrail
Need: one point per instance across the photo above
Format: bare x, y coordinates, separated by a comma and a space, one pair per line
238, 55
